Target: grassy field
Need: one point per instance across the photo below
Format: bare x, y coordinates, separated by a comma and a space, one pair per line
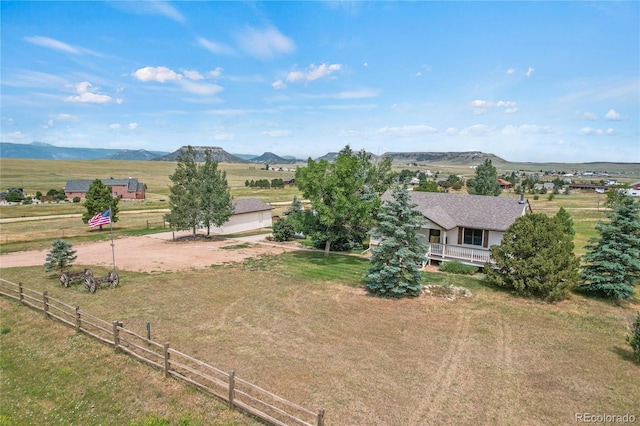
302, 326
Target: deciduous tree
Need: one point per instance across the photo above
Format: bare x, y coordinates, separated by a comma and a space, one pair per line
98, 199
485, 181
215, 198
395, 262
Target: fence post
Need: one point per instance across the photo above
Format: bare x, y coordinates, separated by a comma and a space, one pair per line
116, 334
232, 380
148, 330
21, 293
45, 301
78, 320
321, 417
167, 366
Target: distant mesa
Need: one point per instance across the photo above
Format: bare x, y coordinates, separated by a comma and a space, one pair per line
271, 158
218, 155
133, 155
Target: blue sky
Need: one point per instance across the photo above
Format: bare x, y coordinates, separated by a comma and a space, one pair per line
527, 81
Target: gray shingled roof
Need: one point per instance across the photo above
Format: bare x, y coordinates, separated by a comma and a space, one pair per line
82, 185
249, 205
468, 211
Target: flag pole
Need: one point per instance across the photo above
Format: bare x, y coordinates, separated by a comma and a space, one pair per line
113, 252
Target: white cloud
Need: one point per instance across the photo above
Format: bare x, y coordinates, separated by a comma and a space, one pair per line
366, 64
221, 136
65, 117
60, 46
192, 75
613, 115
480, 104
589, 116
312, 73
86, 93
265, 43
477, 130
511, 110
215, 73
610, 131
451, 131
151, 7
506, 104
527, 129
217, 48
159, 74
277, 133
589, 131
511, 71
405, 131
347, 132
133, 126
114, 126
418, 74
530, 71
278, 84
200, 88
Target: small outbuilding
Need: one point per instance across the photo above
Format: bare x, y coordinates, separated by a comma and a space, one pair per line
249, 214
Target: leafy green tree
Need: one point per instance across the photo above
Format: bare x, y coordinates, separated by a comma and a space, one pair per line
427, 185
344, 196
485, 181
615, 196
634, 339
283, 230
216, 205
297, 215
395, 262
612, 261
60, 257
184, 193
98, 199
535, 258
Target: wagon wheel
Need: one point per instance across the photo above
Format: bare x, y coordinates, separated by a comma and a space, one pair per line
114, 279
88, 272
64, 279
91, 284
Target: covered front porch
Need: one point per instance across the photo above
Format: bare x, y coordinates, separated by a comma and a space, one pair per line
467, 255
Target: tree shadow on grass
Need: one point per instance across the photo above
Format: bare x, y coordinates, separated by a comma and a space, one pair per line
624, 353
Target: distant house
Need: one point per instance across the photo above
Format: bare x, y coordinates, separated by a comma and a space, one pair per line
249, 214
504, 184
289, 181
586, 186
463, 227
126, 189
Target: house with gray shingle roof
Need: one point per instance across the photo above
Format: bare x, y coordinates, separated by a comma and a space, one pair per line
463, 227
127, 189
249, 214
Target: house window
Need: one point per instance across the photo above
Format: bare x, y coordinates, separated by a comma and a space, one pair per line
473, 236
434, 236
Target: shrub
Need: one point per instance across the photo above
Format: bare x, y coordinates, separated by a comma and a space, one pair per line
455, 267
536, 197
76, 199
634, 339
283, 230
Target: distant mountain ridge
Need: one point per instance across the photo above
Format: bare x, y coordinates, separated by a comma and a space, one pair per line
271, 158
217, 154
44, 151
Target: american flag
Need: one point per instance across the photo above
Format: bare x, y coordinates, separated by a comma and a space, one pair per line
101, 218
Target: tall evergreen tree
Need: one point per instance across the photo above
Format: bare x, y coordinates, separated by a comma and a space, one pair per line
535, 258
98, 199
485, 181
215, 198
612, 261
565, 221
184, 196
395, 263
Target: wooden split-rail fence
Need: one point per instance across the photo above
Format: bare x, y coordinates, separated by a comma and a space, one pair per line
238, 393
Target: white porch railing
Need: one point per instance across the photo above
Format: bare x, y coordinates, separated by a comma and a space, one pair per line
463, 254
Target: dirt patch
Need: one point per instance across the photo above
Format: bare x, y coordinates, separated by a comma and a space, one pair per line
154, 253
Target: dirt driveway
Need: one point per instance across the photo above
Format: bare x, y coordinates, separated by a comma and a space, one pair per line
158, 252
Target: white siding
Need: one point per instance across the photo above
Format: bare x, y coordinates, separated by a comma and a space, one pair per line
245, 222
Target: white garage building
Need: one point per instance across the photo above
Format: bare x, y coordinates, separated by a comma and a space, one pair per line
250, 214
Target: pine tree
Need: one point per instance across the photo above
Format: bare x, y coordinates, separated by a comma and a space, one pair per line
485, 181
98, 199
395, 263
60, 257
535, 258
612, 262
565, 221
634, 338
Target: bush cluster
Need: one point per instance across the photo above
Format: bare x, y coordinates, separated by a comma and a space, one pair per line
455, 267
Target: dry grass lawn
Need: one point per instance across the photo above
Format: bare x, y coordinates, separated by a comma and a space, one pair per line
489, 359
